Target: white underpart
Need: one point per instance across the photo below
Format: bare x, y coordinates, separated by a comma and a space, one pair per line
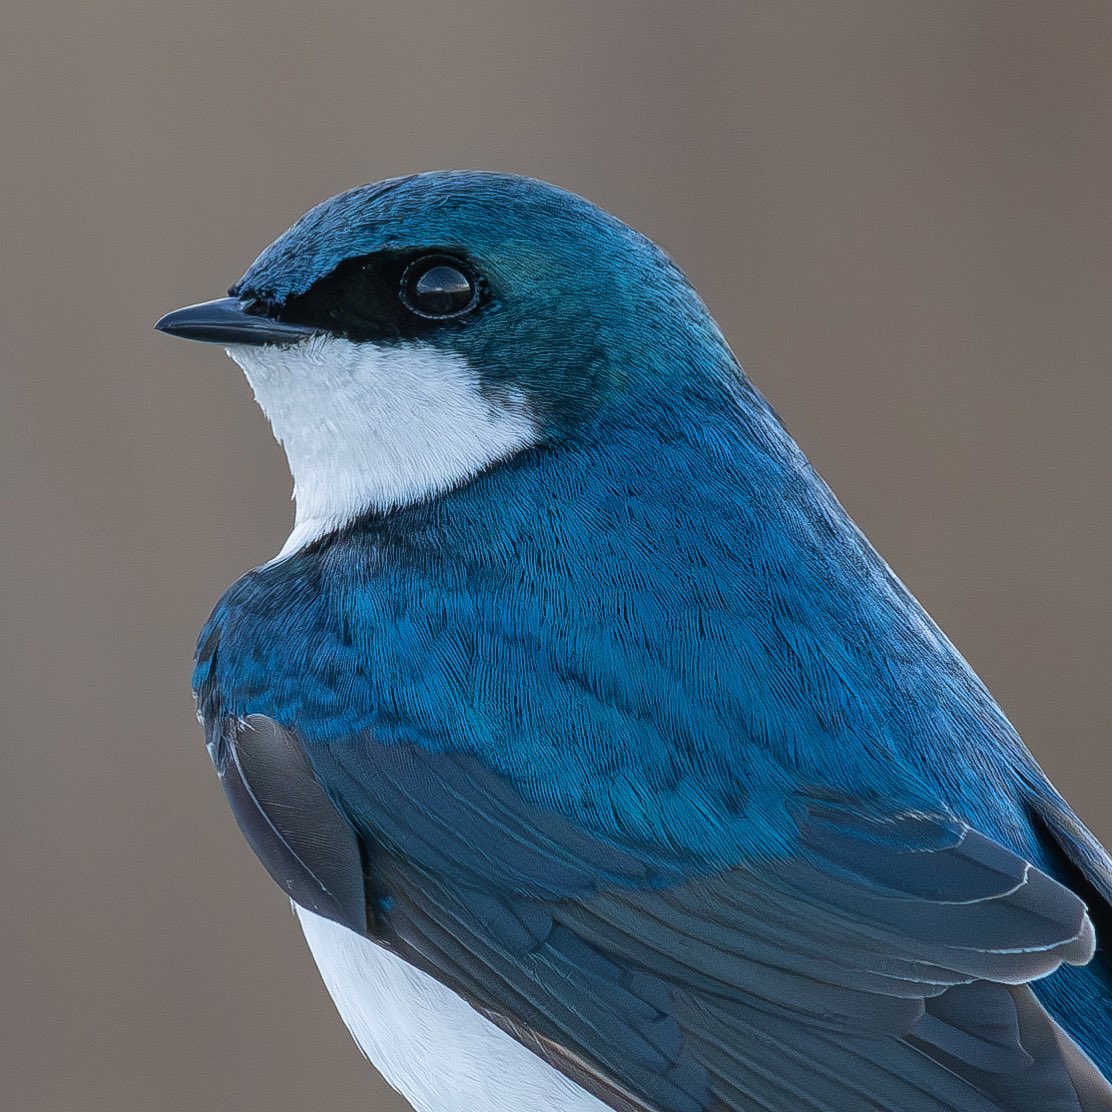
368, 426
430, 1045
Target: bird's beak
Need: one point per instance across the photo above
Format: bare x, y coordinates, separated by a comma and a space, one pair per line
227, 321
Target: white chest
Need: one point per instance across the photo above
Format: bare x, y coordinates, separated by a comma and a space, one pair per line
431, 1046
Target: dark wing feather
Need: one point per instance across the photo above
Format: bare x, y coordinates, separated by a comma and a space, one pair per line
879, 965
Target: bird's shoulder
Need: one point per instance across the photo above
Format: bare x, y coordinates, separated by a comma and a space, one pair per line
629, 656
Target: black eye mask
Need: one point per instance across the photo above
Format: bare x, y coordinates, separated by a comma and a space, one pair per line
387, 296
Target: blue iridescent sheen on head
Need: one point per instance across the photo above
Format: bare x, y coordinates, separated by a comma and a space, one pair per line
569, 285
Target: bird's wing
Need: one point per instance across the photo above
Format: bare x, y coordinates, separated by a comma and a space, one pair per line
877, 961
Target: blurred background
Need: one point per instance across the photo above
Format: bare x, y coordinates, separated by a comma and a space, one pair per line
897, 211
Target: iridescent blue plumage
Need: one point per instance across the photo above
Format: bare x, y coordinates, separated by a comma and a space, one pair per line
648, 751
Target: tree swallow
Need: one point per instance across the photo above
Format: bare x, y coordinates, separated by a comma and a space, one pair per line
606, 763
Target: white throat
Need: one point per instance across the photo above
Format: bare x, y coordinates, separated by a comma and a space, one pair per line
368, 426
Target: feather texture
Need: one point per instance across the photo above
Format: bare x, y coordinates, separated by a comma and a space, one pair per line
647, 754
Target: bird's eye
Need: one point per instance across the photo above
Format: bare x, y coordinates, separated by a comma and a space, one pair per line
438, 287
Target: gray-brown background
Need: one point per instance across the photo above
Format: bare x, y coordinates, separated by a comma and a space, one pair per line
898, 212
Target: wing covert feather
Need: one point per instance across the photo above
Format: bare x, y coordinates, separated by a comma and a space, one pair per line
879, 965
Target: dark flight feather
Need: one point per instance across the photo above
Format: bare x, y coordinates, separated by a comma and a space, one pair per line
879, 966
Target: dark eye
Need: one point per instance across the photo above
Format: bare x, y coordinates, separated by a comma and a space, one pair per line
437, 286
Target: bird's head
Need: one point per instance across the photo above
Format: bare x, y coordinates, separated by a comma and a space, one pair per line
404, 336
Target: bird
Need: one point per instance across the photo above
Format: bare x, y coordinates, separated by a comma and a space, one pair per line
607, 765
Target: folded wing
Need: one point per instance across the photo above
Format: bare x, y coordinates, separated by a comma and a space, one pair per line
881, 963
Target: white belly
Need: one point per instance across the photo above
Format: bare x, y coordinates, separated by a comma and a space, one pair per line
430, 1045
